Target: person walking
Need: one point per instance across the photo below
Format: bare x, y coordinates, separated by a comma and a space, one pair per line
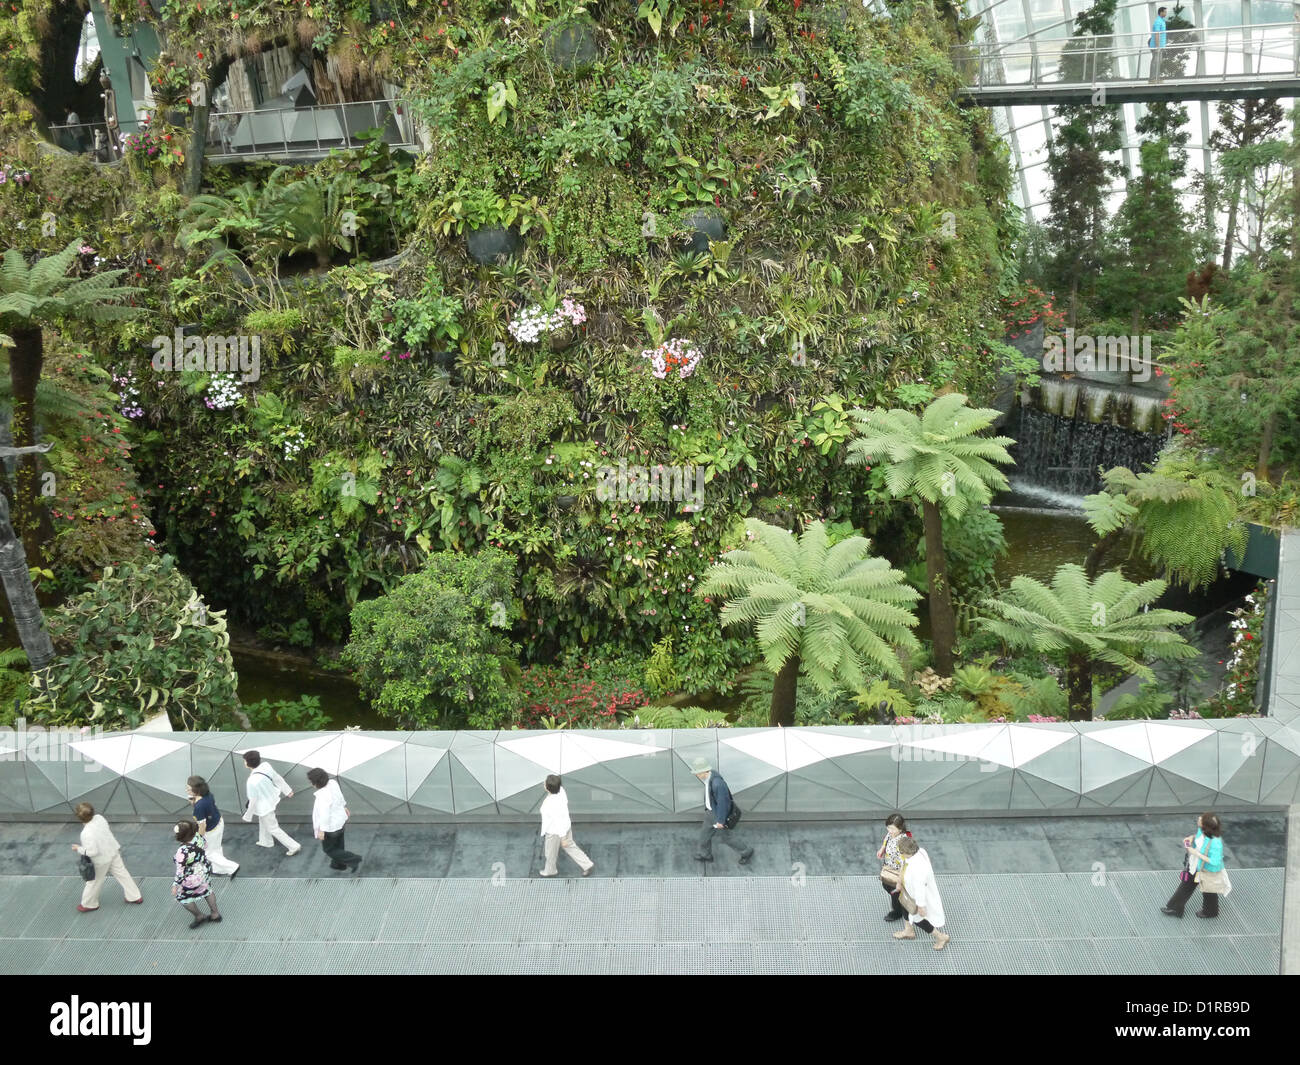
895, 830
193, 872
723, 815
557, 830
100, 845
1204, 866
211, 827
329, 815
1157, 42
917, 886
265, 786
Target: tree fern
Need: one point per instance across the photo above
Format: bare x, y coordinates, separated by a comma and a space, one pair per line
1106, 620
1187, 517
835, 613
939, 459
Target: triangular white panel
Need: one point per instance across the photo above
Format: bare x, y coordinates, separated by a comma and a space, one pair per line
789, 750
334, 754
1029, 742
125, 754
970, 742
767, 747
562, 754
827, 745
1169, 740
1128, 739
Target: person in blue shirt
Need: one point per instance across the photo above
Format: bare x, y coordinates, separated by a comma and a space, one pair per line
1203, 865
1157, 42
211, 826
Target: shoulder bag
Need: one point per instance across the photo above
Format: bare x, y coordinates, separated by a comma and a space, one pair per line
86, 867
733, 815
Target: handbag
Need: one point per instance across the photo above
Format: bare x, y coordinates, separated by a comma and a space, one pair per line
86, 868
733, 816
889, 877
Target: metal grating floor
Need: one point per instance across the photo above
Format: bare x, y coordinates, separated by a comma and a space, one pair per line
1046, 923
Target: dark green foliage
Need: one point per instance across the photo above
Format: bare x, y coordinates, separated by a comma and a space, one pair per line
434, 652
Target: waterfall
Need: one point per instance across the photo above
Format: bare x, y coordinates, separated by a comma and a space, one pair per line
1062, 454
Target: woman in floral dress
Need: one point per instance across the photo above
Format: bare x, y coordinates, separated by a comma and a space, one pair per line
192, 873
895, 830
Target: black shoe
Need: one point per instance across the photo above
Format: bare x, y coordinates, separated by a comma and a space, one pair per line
744, 858
233, 875
704, 858
1169, 912
215, 919
892, 916
198, 921
333, 866
356, 865
1202, 913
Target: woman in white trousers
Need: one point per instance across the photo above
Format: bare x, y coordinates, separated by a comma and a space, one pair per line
212, 825
100, 845
917, 879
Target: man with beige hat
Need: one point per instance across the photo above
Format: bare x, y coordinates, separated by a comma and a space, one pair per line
722, 817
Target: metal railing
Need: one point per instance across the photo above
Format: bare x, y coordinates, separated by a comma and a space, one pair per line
80, 139
1268, 52
315, 130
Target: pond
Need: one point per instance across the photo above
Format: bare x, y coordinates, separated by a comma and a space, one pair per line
263, 676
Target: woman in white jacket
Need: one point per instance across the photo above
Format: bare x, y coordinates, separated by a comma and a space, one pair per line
100, 845
918, 881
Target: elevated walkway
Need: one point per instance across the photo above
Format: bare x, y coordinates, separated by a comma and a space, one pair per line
1033, 895
1234, 62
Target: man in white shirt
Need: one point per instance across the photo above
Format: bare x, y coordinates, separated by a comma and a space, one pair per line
265, 786
557, 830
328, 816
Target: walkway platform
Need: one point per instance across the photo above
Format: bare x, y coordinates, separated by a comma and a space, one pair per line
1022, 895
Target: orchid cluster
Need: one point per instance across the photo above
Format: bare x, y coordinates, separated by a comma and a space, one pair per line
679, 356
533, 322
11, 175
223, 392
129, 394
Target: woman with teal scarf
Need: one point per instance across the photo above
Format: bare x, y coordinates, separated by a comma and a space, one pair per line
1203, 865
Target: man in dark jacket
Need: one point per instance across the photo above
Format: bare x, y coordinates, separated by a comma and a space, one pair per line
717, 801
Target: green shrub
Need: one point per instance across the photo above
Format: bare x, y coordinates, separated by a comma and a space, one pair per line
434, 652
138, 642
272, 715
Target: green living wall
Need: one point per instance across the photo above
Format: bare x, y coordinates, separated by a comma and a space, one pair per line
782, 199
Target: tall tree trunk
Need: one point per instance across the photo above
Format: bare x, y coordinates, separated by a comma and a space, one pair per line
943, 626
1231, 232
1265, 449
32, 521
1074, 298
1097, 553
28, 619
781, 712
1078, 687
200, 112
